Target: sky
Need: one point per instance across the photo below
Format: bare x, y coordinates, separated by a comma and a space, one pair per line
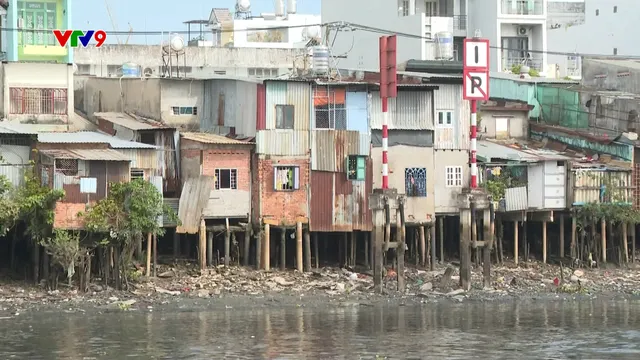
161, 15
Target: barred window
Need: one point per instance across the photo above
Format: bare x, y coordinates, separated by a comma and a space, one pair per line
454, 176
38, 101
415, 180
330, 109
226, 179
68, 167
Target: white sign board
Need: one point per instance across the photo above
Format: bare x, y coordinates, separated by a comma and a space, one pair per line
88, 185
476, 85
476, 54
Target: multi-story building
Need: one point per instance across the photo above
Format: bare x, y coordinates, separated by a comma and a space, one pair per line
435, 29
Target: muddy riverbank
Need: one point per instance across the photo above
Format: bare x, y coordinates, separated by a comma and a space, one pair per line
183, 287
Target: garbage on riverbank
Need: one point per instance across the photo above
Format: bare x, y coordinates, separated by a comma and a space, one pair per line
180, 281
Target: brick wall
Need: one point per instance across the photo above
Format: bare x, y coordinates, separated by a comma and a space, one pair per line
635, 175
238, 159
282, 206
66, 216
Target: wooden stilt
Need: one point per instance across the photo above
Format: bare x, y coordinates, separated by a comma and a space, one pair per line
487, 237
544, 242
378, 241
307, 251
515, 242
227, 244
210, 248
625, 244
149, 249
176, 245
299, 259
155, 255
283, 249
247, 245
465, 249
400, 250
474, 234
267, 248
633, 243
562, 236
259, 241
603, 229
354, 248
365, 235
432, 237
574, 225
202, 247
315, 250
423, 247
441, 225
345, 250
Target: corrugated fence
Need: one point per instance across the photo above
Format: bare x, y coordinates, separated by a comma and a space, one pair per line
330, 148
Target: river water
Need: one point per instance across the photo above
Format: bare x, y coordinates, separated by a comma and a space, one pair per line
513, 330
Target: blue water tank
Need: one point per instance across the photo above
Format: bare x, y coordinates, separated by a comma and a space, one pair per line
130, 70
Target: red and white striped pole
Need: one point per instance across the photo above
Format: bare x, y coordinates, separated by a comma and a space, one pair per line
473, 144
385, 143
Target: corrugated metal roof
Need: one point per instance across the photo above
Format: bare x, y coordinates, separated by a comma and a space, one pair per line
535, 80
90, 137
87, 154
130, 122
30, 129
209, 138
490, 150
194, 197
629, 63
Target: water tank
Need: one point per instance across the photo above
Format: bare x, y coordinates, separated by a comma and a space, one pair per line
291, 7
243, 5
279, 7
130, 69
444, 45
320, 62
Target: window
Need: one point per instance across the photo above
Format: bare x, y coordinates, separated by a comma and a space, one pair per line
68, 167
615, 51
615, 9
148, 138
597, 12
405, 7
430, 8
137, 174
38, 101
226, 179
445, 118
356, 167
37, 16
218, 72
263, 72
330, 109
284, 116
84, 69
454, 176
415, 182
286, 178
184, 110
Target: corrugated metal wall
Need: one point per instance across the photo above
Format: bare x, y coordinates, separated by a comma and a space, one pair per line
261, 107
230, 103
411, 110
331, 147
338, 204
282, 142
297, 94
146, 159
448, 97
166, 160
587, 186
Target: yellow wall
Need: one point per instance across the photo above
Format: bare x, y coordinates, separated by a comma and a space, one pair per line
45, 52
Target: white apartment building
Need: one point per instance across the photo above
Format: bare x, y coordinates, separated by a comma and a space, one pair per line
517, 26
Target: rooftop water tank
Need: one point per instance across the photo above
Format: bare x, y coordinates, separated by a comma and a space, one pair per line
130, 69
444, 45
320, 62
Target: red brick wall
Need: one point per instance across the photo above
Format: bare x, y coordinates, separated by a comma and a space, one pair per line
229, 159
282, 206
66, 216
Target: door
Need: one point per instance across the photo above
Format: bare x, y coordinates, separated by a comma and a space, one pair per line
502, 128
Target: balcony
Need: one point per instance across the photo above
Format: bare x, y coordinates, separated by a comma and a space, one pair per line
509, 63
522, 7
460, 22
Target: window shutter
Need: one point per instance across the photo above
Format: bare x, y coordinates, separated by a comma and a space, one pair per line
275, 178
296, 178
361, 168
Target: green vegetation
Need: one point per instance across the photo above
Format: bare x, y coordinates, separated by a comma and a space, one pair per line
532, 72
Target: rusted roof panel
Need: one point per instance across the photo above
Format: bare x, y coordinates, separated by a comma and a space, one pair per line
195, 195
208, 138
90, 137
131, 122
331, 147
86, 154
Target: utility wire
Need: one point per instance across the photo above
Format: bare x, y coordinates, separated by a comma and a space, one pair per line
340, 25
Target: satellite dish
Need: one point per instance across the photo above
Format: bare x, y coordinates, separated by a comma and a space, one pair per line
177, 43
311, 32
75, 68
243, 5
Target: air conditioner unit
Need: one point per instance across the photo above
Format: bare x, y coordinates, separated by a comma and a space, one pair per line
522, 31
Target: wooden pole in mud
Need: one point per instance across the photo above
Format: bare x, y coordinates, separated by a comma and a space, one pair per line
227, 243
378, 240
423, 247
267, 248
307, 251
633, 243
247, 245
562, 236
155, 255
259, 242
465, 249
515, 242
432, 237
202, 247
603, 239
625, 239
441, 226
210, 248
367, 249
149, 243
400, 247
315, 250
299, 247
283, 249
488, 245
544, 242
574, 226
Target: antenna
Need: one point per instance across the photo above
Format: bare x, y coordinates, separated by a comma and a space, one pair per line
113, 21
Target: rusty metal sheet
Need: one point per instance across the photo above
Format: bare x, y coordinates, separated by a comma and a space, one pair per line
331, 148
361, 190
516, 198
282, 142
195, 195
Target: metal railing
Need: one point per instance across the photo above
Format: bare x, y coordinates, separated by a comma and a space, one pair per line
509, 62
459, 22
522, 7
35, 101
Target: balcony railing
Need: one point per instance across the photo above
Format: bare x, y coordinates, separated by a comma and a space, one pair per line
509, 62
522, 7
459, 22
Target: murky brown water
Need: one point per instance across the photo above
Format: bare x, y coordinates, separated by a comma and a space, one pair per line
556, 330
